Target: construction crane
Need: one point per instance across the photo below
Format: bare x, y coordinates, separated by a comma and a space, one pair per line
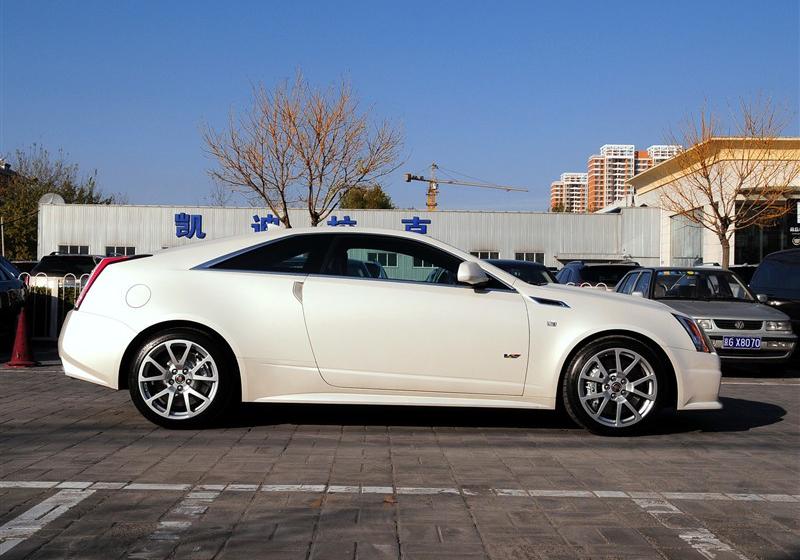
433, 185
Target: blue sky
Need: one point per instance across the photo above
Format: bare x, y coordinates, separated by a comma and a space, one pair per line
511, 92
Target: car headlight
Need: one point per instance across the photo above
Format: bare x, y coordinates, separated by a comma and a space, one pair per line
699, 338
705, 324
784, 326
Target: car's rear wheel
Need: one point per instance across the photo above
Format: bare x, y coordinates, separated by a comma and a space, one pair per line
614, 386
182, 378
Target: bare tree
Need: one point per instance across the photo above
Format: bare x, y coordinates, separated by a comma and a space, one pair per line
301, 146
735, 178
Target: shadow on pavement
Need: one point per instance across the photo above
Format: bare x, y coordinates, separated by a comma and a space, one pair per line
790, 370
737, 415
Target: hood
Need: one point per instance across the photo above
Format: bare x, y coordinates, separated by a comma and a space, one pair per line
726, 310
568, 294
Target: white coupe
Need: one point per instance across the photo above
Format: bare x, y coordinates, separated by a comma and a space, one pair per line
364, 316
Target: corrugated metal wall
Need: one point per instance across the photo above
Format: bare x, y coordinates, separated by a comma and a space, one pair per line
632, 233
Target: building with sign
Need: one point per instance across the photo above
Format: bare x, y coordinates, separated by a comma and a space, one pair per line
684, 243
549, 238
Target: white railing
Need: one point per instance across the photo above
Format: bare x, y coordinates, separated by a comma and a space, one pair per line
49, 300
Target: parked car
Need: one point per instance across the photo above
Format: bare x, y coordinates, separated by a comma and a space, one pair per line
778, 280
744, 272
317, 334
12, 296
602, 275
530, 272
61, 264
741, 329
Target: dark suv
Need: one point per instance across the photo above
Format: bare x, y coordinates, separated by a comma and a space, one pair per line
597, 275
61, 264
778, 278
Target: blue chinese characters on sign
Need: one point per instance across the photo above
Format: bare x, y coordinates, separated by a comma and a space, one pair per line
189, 225
346, 221
416, 225
262, 223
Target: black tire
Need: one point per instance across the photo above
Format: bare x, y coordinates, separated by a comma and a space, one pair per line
650, 364
226, 396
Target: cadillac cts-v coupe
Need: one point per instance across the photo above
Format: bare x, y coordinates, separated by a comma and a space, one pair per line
281, 317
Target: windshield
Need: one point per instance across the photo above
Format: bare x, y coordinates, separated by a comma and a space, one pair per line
711, 285
530, 274
608, 275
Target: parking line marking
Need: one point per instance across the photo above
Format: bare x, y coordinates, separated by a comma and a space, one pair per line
242, 487
178, 520
701, 539
425, 491
694, 496
29, 522
141, 486
610, 494
27, 484
75, 485
199, 490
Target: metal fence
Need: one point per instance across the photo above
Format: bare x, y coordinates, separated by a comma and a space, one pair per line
50, 298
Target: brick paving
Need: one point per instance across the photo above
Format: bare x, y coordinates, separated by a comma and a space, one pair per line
280, 481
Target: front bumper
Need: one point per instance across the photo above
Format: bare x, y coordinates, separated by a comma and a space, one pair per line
698, 377
91, 347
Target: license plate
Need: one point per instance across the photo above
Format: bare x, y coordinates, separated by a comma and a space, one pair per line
741, 342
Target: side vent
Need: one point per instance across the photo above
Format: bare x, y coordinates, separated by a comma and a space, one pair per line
554, 302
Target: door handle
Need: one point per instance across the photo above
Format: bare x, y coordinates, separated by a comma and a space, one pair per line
297, 291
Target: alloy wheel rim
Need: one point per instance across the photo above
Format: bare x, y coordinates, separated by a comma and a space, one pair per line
617, 387
178, 379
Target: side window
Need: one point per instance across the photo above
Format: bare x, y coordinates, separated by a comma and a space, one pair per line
362, 256
298, 254
643, 284
626, 286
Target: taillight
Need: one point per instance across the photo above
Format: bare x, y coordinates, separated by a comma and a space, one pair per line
101, 266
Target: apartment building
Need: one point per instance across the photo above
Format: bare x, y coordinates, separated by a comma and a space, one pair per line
568, 194
609, 171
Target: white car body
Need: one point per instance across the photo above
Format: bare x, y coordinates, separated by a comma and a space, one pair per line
301, 338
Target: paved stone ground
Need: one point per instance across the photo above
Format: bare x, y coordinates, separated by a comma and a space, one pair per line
82, 475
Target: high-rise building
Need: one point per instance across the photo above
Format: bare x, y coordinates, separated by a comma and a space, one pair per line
610, 170
569, 193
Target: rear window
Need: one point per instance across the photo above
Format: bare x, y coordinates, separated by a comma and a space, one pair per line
608, 275
778, 276
61, 265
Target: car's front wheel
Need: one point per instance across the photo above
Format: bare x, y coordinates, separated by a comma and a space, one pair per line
182, 378
614, 386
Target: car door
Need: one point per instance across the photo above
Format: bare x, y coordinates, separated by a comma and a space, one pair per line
417, 329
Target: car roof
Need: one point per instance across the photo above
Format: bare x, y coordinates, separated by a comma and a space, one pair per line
514, 262
784, 253
687, 268
199, 252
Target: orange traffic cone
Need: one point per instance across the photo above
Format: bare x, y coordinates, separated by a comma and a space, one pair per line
21, 355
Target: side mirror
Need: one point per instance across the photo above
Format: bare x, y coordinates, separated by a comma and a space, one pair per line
762, 298
637, 294
471, 273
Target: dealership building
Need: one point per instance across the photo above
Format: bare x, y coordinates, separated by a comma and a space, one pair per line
642, 231
549, 238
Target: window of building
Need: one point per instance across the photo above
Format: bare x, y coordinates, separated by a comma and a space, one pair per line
120, 251
74, 249
383, 259
483, 255
421, 263
536, 257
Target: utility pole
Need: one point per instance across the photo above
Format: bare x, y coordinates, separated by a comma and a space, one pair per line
2, 237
